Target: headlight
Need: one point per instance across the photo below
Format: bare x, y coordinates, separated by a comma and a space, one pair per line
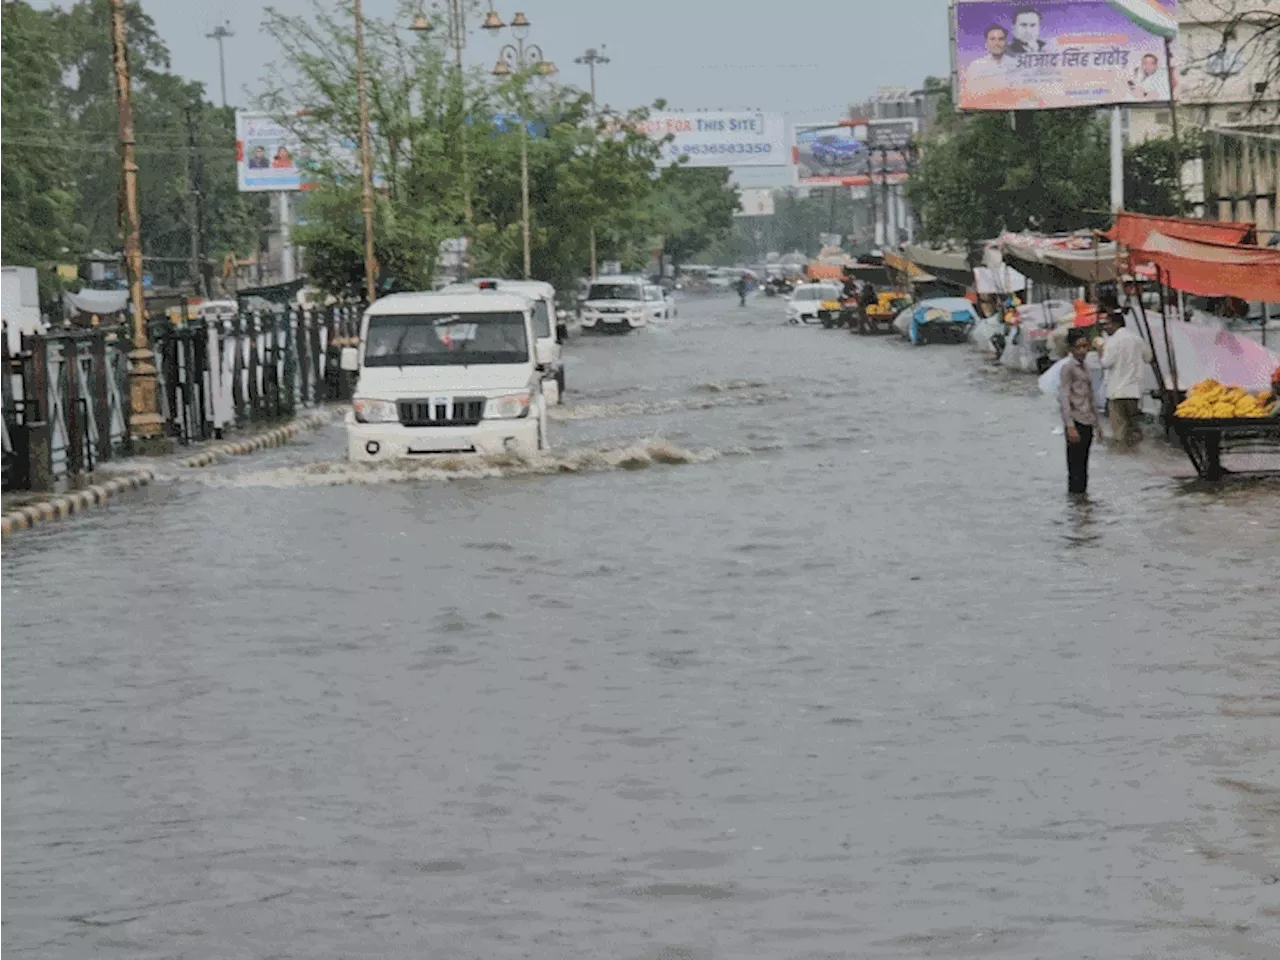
375, 411
512, 406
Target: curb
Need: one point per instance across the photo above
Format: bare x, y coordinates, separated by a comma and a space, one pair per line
271, 438
64, 505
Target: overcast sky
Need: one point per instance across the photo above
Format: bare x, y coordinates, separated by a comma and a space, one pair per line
809, 60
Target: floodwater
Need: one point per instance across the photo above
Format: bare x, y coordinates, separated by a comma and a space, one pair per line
794, 649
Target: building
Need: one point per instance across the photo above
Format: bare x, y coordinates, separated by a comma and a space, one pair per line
1226, 72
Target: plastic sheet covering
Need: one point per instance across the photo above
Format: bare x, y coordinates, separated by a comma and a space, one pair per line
1205, 350
1030, 340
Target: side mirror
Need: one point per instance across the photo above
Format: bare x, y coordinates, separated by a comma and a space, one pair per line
543, 354
350, 359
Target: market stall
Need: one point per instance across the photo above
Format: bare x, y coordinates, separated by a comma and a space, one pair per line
1218, 388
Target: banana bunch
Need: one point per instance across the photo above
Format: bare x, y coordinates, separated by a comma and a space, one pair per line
1211, 400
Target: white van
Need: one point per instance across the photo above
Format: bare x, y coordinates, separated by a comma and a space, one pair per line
543, 296
615, 304
446, 373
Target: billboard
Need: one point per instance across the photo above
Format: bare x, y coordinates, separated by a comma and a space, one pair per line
852, 153
270, 157
1019, 55
720, 138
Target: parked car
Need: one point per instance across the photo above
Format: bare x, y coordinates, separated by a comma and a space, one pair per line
806, 301
834, 150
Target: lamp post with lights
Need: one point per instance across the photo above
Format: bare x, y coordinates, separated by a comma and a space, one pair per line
513, 59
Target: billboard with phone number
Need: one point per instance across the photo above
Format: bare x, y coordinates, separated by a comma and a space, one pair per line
721, 138
1015, 55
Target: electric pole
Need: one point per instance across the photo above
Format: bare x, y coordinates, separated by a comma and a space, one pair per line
221, 32
366, 160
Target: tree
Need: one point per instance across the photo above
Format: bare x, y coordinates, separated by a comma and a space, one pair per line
38, 208
582, 173
694, 208
1247, 45
979, 176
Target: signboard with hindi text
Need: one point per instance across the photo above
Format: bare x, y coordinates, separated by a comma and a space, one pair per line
1015, 55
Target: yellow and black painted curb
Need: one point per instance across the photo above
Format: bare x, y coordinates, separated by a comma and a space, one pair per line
66, 504
271, 438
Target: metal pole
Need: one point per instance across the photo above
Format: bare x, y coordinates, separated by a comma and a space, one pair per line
146, 425
524, 195
195, 183
220, 33
1173, 116
366, 161
1117, 160
457, 20
287, 271
593, 256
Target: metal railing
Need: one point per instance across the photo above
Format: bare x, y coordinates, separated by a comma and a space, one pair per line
66, 391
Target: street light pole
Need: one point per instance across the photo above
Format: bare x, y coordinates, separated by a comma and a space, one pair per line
220, 33
591, 58
512, 59
366, 161
146, 426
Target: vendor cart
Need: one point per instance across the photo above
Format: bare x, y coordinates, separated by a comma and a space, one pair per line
1206, 440
878, 318
1208, 259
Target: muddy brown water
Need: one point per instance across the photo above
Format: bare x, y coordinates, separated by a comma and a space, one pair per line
794, 648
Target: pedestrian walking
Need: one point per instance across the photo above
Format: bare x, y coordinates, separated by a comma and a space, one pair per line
742, 290
1124, 357
1079, 413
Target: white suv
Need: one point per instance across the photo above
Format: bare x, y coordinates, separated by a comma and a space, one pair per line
615, 304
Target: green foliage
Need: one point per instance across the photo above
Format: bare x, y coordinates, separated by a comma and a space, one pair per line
61, 174
434, 137
981, 176
1152, 172
38, 204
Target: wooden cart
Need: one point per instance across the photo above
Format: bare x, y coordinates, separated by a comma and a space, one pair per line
1206, 440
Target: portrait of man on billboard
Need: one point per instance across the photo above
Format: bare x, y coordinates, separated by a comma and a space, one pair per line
1026, 32
996, 62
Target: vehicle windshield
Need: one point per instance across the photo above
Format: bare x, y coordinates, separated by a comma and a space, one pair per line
614, 291
450, 339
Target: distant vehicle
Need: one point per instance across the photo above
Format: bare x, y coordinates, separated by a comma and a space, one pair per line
661, 305
615, 305
806, 301
834, 150
446, 374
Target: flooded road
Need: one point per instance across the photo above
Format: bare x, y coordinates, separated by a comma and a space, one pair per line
794, 649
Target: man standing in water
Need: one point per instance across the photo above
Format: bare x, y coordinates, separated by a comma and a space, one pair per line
1124, 357
742, 290
1079, 415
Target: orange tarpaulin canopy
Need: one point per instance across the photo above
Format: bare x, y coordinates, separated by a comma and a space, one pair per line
1213, 269
1132, 229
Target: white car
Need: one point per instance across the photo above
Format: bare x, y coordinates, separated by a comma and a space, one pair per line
661, 305
803, 304
446, 374
545, 322
615, 305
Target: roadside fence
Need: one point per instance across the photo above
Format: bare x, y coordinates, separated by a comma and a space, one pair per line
66, 391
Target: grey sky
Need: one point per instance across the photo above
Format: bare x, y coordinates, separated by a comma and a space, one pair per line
809, 60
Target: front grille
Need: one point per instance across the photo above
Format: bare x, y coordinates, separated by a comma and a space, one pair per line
442, 412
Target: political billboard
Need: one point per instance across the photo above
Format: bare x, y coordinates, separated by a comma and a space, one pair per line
720, 138
270, 157
1047, 54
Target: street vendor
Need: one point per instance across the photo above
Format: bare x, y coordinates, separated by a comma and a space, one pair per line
1125, 357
